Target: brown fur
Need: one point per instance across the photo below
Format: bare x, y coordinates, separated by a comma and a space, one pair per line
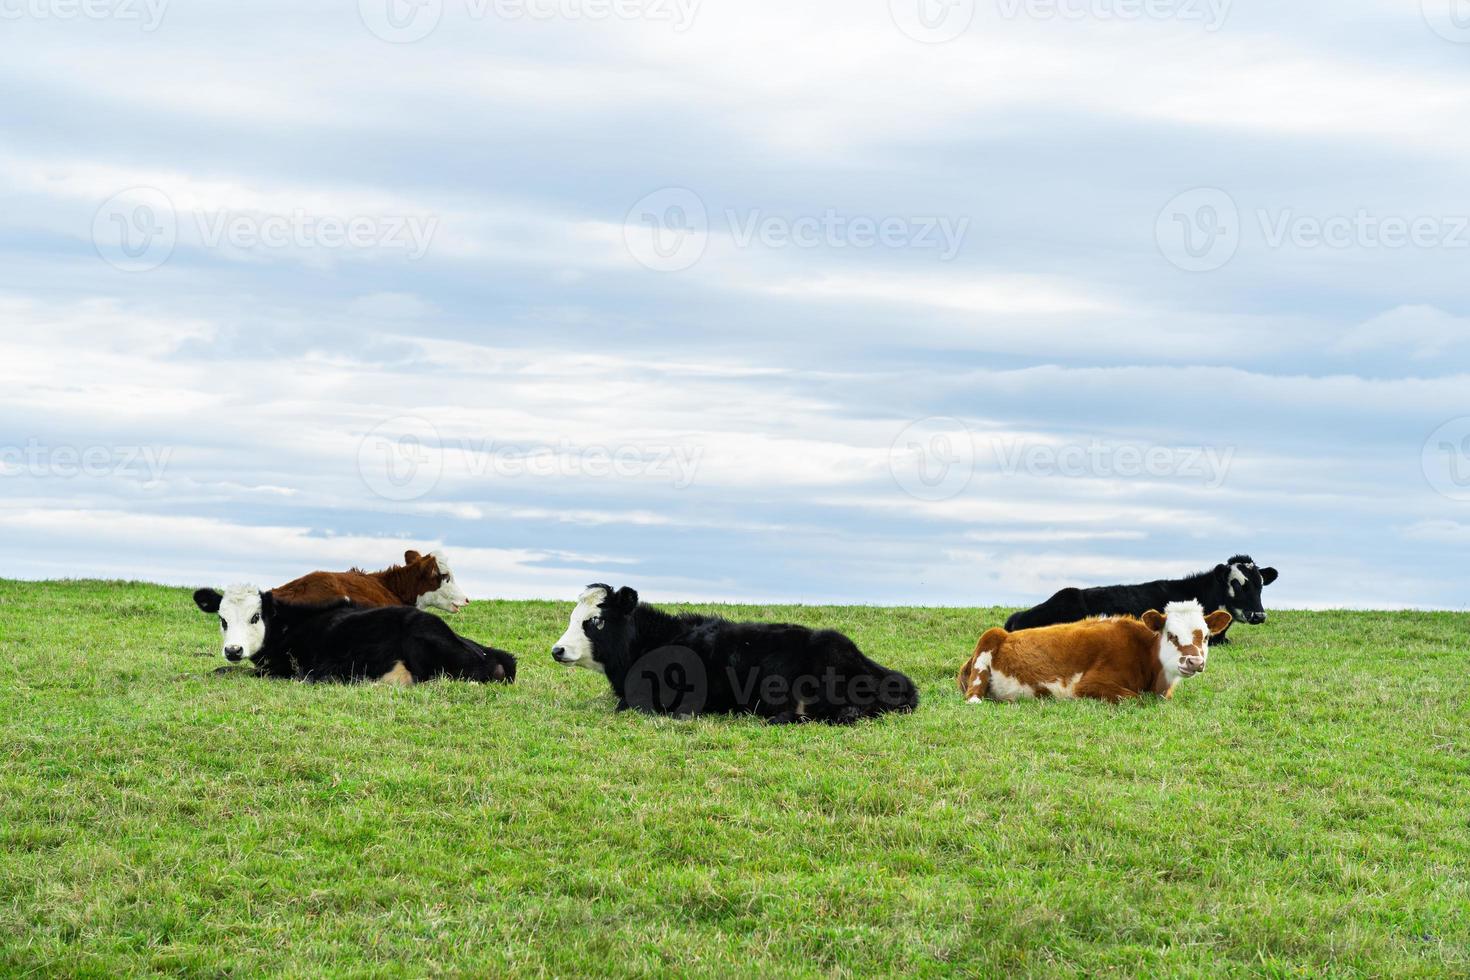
399, 676
1110, 659
399, 585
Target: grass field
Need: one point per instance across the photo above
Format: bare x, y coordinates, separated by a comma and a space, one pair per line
1301, 808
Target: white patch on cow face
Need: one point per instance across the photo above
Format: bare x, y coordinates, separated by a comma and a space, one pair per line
1237, 579
1184, 644
241, 622
449, 596
574, 649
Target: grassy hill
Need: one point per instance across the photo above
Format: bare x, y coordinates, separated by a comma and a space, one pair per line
1300, 808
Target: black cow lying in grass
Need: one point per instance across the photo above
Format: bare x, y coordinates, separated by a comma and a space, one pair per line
1234, 587
691, 664
340, 642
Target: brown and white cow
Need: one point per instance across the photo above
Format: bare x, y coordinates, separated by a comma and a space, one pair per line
423, 580
1110, 658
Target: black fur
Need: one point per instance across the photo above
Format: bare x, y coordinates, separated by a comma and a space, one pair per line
340, 642
1211, 589
780, 672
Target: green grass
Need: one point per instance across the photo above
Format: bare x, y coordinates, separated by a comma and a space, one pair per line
1301, 808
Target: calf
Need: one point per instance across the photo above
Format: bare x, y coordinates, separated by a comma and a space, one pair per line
1108, 659
1234, 587
338, 641
691, 664
423, 581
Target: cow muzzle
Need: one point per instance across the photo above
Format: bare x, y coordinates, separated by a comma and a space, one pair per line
1189, 666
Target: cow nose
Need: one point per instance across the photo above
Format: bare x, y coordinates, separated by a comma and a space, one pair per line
234, 653
1257, 618
559, 654
1194, 664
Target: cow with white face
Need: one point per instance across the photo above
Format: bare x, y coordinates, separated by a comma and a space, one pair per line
446, 593
241, 619
1109, 658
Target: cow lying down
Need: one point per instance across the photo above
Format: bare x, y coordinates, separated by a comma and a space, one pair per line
424, 581
691, 664
340, 642
1110, 658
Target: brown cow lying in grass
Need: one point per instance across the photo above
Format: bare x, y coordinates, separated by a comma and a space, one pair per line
423, 581
1109, 659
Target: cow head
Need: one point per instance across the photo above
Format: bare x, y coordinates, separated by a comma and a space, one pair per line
244, 613
601, 629
1241, 583
1184, 636
434, 583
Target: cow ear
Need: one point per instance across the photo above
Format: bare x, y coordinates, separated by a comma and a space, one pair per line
1222, 572
267, 604
626, 600
1268, 575
966, 671
208, 600
1217, 621
409, 557
1154, 620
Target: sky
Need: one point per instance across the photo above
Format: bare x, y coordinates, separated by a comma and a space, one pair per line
941, 302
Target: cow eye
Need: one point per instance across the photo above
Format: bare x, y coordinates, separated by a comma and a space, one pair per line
222, 624
255, 619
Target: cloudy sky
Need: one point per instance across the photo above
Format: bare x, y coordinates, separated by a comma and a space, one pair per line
879, 301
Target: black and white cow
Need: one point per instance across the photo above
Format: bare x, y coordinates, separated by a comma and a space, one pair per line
341, 642
1234, 587
692, 664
